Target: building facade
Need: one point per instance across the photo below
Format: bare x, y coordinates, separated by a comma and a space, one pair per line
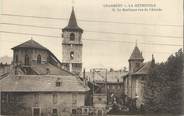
37, 86
72, 46
40, 97
4, 69
135, 80
109, 83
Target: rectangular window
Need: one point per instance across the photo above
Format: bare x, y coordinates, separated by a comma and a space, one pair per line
11, 98
74, 99
36, 98
100, 113
58, 84
4, 97
54, 111
54, 98
36, 112
85, 111
8, 98
74, 111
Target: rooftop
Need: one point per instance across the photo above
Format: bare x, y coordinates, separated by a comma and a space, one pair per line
112, 76
42, 69
41, 83
144, 69
30, 44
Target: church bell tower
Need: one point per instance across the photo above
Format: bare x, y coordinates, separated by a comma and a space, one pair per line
72, 46
136, 60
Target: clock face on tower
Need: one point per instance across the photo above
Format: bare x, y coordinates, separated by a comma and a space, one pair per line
72, 46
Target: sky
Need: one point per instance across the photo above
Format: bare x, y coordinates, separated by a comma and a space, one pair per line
104, 51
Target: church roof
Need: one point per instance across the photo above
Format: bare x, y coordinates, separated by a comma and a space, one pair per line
41, 69
72, 24
136, 54
42, 83
30, 44
112, 76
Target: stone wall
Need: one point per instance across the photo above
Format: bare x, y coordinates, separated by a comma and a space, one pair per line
32, 53
74, 47
100, 100
134, 88
46, 102
67, 49
66, 38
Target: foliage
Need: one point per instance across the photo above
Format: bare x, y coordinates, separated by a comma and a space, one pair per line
163, 88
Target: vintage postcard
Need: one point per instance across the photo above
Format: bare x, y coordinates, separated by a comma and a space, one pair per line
91, 57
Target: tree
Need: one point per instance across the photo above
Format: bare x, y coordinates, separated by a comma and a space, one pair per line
163, 88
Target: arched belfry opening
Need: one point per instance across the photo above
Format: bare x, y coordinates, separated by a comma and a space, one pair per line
72, 37
71, 55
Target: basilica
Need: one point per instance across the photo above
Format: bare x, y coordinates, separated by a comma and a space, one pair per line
37, 83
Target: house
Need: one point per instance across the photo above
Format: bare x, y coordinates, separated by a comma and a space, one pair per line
109, 83
37, 95
135, 80
37, 85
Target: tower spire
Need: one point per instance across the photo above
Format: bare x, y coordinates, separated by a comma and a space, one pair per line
136, 54
72, 24
72, 21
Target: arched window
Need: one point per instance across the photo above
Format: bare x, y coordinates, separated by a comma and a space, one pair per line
72, 37
71, 55
26, 60
16, 59
39, 59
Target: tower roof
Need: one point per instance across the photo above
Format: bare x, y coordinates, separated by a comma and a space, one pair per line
30, 44
136, 54
72, 24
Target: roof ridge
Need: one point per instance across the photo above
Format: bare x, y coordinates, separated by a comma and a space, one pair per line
30, 44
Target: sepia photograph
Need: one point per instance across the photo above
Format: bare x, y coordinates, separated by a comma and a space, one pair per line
91, 58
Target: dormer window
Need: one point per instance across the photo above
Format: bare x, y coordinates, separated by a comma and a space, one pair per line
58, 82
72, 37
47, 71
